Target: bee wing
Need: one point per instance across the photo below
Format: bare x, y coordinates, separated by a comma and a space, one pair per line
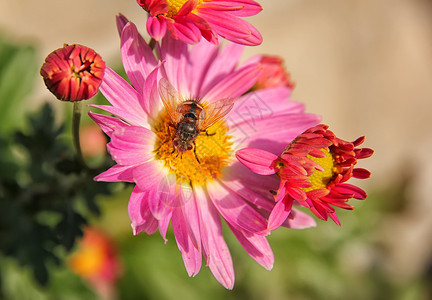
215, 111
171, 99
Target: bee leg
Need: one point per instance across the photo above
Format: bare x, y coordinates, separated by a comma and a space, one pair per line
209, 134
196, 156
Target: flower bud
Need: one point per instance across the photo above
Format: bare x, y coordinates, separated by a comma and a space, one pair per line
274, 74
73, 73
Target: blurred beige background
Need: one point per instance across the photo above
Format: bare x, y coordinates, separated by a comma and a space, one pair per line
364, 65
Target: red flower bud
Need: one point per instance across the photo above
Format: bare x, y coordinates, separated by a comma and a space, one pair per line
274, 74
73, 73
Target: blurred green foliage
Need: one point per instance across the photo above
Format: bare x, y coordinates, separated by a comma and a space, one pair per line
18, 67
46, 196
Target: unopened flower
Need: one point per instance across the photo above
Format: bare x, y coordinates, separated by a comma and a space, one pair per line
97, 261
274, 73
173, 187
73, 73
188, 20
313, 170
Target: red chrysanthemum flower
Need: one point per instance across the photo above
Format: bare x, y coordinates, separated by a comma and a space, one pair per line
313, 170
274, 74
188, 20
73, 73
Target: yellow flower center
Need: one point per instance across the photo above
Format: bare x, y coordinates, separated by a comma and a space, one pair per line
320, 179
213, 151
176, 5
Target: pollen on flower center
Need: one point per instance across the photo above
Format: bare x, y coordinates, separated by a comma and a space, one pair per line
213, 151
320, 179
176, 5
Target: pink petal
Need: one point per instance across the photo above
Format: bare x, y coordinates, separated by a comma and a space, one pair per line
116, 173
191, 254
156, 27
139, 213
132, 145
175, 54
184, 30
224, 23
138, 59
240, 8
253, 39
234, 84
299, 220
215, 249
279, 214
243, 189
335, 219
121, 95
238, 177
263, 104
258, 161
256, 246
162, 198
235, 210
164, 223
221, 66
271, 133
134, 138
107, 123
197, 69
152, 103
149, 175
118, 91
121, 21
231, 27
188, 205
205, 29
126, 115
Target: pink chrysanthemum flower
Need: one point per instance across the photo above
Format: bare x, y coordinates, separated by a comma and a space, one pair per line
175, 188
73, 73
188, 20
313, 172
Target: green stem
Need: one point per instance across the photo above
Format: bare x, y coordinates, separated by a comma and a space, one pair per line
152, 43
75, 133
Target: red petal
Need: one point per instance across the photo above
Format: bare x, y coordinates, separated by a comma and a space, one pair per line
361, 173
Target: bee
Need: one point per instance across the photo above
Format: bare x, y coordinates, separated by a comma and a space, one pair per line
189, 118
